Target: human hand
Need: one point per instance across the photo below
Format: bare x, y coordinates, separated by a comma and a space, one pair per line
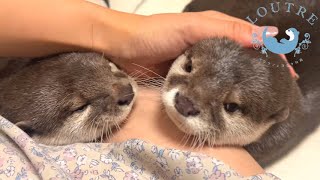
152, 41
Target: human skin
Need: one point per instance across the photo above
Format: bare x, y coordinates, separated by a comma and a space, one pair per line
148, 121
42, 27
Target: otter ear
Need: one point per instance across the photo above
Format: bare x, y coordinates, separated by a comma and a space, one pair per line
281, 115
26, 126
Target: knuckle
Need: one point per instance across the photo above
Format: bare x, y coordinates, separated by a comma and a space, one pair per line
237, 28
234, 29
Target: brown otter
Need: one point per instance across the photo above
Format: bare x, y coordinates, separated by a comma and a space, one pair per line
266, 95
66, 98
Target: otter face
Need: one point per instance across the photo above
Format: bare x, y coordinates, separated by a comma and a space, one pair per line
70, 98
292, 33
222, 94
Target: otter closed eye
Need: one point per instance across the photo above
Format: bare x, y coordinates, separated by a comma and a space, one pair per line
81, 108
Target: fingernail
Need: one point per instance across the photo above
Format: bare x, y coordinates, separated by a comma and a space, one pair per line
293, 72
258, 32
283, 57
296, 77
271, 30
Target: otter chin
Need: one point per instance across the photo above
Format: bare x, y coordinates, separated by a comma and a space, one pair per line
188, 123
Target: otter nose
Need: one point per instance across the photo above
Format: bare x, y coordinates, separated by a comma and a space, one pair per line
184, 106
126, 95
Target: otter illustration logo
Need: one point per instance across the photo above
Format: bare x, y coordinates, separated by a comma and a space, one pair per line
285, 46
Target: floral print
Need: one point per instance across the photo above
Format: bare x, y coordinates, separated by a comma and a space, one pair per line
194, 165
22, 158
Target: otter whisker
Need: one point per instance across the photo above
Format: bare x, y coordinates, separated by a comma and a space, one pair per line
95, 133
192, 141
117, 126
137, 74
189, 140
90, 129
150, 81
149, 70
128, 94
183, 138
148, 85
109, 133
198, 140
102, 132
92, 122
141, 75
247, 80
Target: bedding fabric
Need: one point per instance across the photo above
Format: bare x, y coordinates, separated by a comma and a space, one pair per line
22, 158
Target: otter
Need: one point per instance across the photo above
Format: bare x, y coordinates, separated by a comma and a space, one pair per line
65, 98
223, 94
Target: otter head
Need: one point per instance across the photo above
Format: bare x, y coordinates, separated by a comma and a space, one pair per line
76, 97
293, 34
222, 93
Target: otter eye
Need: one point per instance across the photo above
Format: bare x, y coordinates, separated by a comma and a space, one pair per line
188, 66
231, 107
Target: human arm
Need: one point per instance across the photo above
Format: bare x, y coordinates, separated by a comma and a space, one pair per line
42, 27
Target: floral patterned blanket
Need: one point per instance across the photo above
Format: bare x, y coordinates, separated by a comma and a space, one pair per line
22, 158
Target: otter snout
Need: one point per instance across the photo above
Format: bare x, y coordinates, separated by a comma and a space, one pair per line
126, 95
185, 106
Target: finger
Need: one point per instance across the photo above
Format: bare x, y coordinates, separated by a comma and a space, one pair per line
291, 69
209, 27
223, 16
237, 29
217, 15
233, 28
272, 31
